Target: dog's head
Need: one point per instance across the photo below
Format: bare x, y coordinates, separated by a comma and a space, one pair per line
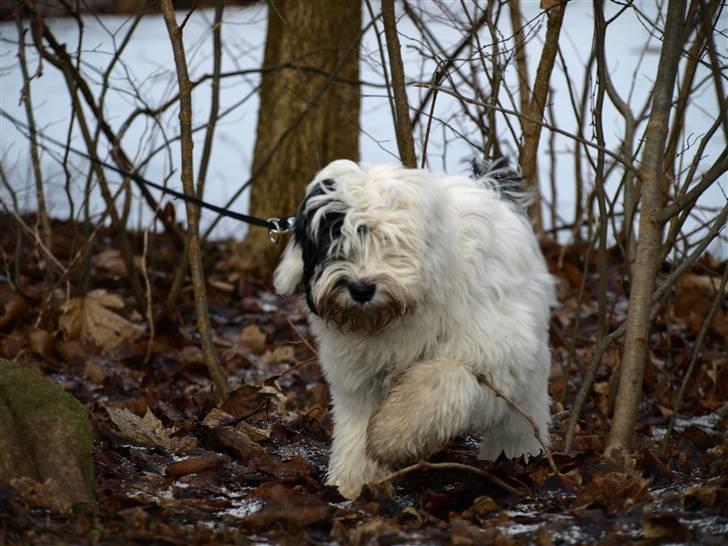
360, 245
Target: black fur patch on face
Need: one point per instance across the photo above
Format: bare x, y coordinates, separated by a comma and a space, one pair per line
315, 250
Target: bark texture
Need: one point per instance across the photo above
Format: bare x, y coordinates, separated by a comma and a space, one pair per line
307, 118
217, 374
520, 47
403, 125
537, 105
650, 238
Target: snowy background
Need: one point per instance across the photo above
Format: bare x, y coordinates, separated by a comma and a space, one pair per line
145, 77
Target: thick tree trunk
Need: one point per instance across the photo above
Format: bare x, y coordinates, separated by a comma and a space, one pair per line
309, 113
650, 238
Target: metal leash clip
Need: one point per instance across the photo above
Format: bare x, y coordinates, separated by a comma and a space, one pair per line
280, 227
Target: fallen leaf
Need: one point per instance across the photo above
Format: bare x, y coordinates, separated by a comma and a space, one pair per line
41, 343
246, 401
290, 508
282, 353
614, 490
94, 370
191, 356
47, 494
217, 418
195, 465
252, 338
481, 506
92, 319
149, 430
665, 526
110, 260
12, 306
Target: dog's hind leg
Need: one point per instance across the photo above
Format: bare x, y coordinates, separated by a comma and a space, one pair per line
430, 403
514, 435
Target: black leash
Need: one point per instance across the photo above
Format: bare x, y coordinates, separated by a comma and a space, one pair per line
276, 226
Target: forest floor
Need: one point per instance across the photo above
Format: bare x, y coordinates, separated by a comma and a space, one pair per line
172, 468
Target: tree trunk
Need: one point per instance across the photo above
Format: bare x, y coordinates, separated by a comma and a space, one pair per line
650, 238
403, 125
309, 113
537, 105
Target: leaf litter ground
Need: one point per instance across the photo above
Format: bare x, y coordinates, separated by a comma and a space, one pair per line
171, 468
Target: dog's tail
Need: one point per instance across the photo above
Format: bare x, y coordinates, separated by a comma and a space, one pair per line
502, 177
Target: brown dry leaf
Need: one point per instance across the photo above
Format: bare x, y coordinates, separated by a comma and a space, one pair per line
252, 400
110, 260
47, 494
41, 343
217, 418
149, 430
252, 338
282, 353
694, 297
481, 506
92, 319
191, 356
94, 370
221, 285
614, 490
291, 508
663, 527
12, 306
195, 465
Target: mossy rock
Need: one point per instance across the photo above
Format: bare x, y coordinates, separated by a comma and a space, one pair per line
44, 432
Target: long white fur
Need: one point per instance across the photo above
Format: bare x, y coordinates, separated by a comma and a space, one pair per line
467, 262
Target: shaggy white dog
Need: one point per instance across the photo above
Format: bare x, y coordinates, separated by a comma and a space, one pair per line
419, 284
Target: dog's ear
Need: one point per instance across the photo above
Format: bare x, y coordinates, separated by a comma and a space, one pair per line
290, 269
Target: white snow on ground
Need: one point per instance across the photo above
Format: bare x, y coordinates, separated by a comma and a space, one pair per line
147, 62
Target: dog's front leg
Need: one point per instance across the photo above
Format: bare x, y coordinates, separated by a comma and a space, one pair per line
350, 467
430, 403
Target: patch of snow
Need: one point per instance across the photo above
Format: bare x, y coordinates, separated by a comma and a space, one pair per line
708, 423
243, 508
711, 525
572, 534
513, 529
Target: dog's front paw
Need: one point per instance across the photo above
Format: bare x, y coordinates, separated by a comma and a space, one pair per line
350, 474
349, 490
393, 441
430, 403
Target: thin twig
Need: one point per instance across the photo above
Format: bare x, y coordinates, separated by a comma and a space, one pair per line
42, 215
694, 357
422, 465
33, 234
302, 338
484, 381
435, 78
148, 286
634, 166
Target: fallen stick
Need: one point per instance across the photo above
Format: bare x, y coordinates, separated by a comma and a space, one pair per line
422, 465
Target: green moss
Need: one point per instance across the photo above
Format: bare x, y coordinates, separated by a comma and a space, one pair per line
44, 432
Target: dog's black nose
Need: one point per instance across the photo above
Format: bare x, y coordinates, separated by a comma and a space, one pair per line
362, 291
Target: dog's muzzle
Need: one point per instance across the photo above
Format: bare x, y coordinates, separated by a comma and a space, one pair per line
363, 305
